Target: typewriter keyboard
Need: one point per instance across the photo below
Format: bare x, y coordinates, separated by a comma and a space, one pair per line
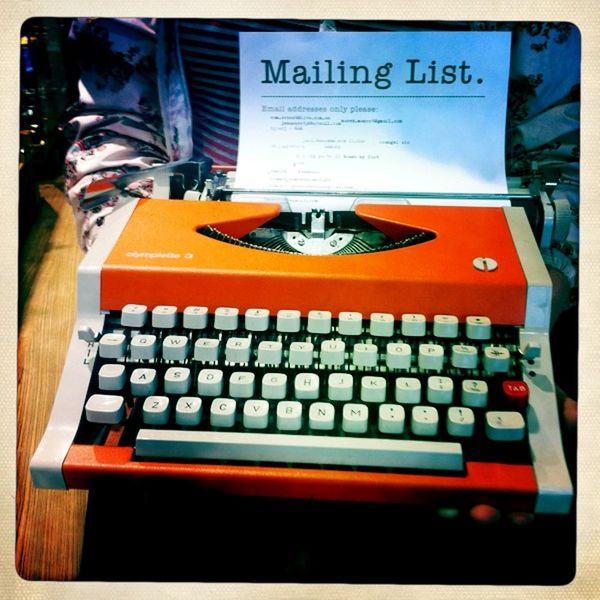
349, 390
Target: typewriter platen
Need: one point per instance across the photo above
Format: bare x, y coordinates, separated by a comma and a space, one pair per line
394, 352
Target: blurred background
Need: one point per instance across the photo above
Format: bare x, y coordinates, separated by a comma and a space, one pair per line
48, 84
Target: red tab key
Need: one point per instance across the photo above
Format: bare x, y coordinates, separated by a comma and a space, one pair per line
516, 393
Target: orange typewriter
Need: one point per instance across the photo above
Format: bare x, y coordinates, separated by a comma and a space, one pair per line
403, 359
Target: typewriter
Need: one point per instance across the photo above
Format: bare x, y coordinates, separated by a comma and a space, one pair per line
395, 352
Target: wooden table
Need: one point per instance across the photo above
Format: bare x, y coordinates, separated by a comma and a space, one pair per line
49, 523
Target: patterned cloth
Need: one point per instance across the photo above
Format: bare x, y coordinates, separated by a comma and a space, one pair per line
149, 89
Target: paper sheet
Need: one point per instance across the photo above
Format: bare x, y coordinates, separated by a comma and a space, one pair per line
373, 112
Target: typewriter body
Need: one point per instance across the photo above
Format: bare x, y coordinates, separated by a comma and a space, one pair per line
403, 358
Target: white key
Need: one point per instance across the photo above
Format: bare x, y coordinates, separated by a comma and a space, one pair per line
340, 386
440, 390
306, 386
464, 356
292, 448
188, 411
270, 352
504, 426
241, 384
112, 377
445, 326
206, 350
288, 321
391, 418
274, 386
155, 410
164, 317
256, 414
355, 418
424, 420
381, 324
134, 315
408, 390
143, 347
112, 345
413, 325
289, 415
474, 393
373, 389
321, 415
222, 412
460, 421
195, 317
478, 328
364, 355
319, 321
350, 323
398, 356
256, 319
332, 352
177, 380
143, 382
301, 354
210, 382
496, 359
226, 318
431, 356
175, 347
237, 350
105, 409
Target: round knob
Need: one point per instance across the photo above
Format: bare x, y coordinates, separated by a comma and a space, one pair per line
562, 219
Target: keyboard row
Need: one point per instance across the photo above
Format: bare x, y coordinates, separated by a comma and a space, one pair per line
378, 324
332, 353
344, 387
289, 416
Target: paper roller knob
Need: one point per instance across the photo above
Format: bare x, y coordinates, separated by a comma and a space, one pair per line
562, 219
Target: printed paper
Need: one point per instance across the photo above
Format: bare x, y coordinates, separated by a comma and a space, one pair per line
374, 112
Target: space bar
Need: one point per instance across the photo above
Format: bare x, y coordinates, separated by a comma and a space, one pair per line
311, 449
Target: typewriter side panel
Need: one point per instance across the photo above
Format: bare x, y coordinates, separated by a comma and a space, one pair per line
47, 461
555, 490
